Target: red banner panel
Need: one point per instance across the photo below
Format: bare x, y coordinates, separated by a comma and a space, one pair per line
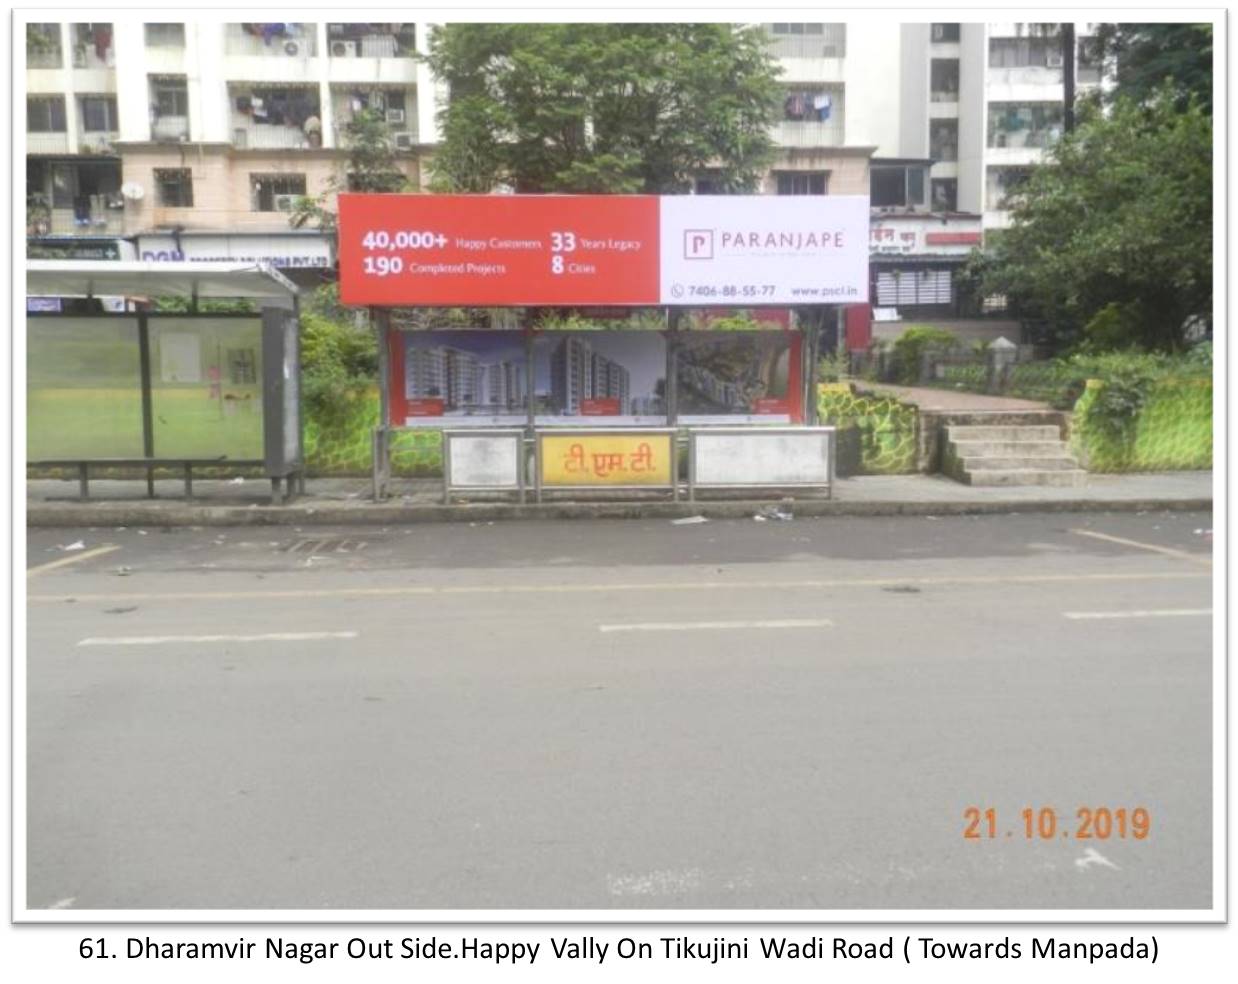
602, 406
498, 250
424, 407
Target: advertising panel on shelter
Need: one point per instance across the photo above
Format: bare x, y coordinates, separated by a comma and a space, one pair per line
738, 377
764, 249
622, 250
494, 250
599, 377
453, 378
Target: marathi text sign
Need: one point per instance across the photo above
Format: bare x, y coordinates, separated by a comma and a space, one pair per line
622, 250
631, 458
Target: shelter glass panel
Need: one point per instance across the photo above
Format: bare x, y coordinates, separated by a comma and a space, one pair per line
84, 388
206, 387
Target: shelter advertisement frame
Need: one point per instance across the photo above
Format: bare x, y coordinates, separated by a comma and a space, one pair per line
831, 452
520, 465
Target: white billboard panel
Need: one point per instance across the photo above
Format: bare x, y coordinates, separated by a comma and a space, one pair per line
759, 249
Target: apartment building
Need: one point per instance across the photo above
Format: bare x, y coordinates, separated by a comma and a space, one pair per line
937, 123
192, 140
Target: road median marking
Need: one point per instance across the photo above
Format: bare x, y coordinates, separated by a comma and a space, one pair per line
775, 623
610, 588
261, 637
66, 561
1152, 547
1145, 613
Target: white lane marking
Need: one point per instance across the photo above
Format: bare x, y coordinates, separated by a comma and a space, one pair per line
63, 903
603, 587
1145, 613
263, 637
774, 623
77, 558
1167, 551
1092, 856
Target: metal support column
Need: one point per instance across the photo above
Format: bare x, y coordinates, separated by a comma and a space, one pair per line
148, 417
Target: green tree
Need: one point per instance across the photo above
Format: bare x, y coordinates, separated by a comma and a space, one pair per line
602, 108
371, 166
1143, 57
1111, 241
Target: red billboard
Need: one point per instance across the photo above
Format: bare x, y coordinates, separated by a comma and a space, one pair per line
498, 250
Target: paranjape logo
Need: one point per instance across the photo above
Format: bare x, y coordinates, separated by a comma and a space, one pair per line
767, 242
698, 244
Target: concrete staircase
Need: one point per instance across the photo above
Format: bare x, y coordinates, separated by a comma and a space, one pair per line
1009, 454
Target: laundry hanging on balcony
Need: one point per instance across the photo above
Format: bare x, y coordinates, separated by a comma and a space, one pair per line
822, 104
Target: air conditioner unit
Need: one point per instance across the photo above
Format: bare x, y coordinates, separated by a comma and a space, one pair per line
286, 203
1054, 59
395, 116
939, 32
403, 140
344, 49
296, 48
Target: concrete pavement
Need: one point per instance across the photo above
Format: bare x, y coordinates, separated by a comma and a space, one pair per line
51, 503
630, 715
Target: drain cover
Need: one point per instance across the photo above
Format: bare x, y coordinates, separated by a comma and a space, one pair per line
322, 545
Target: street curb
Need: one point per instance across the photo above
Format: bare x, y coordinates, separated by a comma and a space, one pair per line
394, 514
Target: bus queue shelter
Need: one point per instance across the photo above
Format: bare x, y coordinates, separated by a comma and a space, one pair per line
144, 389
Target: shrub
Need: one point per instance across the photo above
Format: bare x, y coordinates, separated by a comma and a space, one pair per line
912, 344
339, 365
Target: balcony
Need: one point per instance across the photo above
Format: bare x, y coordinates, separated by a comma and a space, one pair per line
371, 41
101, 142
92, 217
47, 143
169, 129
396, 105
808, 133
272, 138
271, 40
807, 40
92, 47
51, 58
287, 117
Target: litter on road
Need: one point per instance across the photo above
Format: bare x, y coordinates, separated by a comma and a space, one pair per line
689, 521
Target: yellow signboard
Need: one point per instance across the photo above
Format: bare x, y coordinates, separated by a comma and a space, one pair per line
607, 459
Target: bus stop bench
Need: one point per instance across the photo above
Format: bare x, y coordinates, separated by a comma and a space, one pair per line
150, 464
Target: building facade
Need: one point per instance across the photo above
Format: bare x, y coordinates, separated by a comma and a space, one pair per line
193, 140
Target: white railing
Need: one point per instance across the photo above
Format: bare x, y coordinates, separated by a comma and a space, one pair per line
47, 143
808, 133
267, 137
300, 44
830, 44
101, 221
44, 59
170, 128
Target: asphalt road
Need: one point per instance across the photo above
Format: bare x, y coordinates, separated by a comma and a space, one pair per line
622, 715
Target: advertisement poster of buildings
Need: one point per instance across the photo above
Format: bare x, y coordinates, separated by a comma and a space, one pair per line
600, 377
477, 378
738, 377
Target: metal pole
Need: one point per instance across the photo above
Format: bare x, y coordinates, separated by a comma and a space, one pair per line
148, 417
381, 320
1068, 77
